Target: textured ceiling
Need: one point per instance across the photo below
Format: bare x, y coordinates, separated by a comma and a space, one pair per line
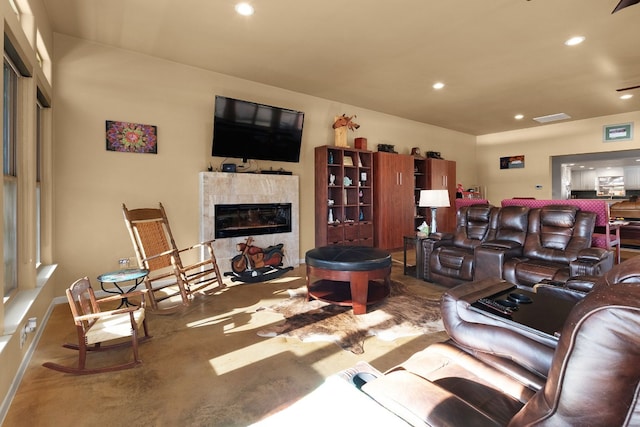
497, 57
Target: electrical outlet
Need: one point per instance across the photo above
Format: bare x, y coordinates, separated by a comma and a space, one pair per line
124, 263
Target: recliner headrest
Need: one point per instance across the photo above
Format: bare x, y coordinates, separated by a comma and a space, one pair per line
558, 215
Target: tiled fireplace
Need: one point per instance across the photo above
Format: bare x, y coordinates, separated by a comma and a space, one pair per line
236, 205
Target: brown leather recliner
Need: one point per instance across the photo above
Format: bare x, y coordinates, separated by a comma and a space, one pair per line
558, 246
511, 225
592, 379
449, 258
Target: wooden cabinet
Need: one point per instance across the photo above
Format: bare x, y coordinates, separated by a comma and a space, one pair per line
441, 175
393, 199
343, 196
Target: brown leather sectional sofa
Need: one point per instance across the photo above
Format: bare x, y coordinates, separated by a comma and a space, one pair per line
490, 375
521, 245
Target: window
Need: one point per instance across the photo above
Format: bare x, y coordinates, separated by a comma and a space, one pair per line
39, 138
10, 176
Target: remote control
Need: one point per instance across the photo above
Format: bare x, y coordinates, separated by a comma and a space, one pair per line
495, 306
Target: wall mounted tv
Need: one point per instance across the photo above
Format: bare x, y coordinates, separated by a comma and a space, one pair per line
247, 130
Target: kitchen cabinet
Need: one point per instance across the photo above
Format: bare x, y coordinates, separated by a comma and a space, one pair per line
584, 180
632, 177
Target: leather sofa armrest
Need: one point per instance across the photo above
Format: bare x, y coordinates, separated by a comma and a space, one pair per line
573, 290
491, 256
591, 262
429, 244
476, 330
441, 237
420, 402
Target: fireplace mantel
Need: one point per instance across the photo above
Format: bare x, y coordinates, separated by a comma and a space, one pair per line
235, 188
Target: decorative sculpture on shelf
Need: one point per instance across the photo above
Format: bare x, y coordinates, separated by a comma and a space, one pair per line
344, 120
341, 124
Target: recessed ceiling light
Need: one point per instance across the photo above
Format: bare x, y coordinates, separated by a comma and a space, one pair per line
626, 96
518, 117
574, 41
244, 9
438, 85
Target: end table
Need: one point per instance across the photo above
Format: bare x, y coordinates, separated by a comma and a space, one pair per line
415, 242
136, 275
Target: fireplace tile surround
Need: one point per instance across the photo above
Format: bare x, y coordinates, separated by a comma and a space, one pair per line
247, 188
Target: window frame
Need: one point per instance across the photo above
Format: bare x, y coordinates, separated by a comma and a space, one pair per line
10, 130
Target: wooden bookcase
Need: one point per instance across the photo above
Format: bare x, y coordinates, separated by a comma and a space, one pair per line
421, 182
344, 210
442, 176
435, 174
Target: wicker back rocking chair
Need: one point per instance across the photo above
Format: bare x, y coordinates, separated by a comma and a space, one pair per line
157, 252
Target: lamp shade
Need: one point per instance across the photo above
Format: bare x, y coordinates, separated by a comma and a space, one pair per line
434, 199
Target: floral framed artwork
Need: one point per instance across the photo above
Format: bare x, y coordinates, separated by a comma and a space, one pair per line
131, 137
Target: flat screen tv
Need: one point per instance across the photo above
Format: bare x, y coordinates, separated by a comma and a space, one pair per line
247, 130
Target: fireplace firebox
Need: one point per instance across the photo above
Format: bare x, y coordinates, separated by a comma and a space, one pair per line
249, 219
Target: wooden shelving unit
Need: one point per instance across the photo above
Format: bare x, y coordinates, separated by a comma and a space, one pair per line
420, 183
435, 174
344, 208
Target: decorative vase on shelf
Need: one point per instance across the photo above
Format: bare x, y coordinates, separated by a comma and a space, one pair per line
330, 157
361, 217
330, 216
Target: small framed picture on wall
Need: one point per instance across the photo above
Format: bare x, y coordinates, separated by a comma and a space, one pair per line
512, 162
131, 137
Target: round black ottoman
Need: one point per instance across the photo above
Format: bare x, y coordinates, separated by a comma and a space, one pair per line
346, 275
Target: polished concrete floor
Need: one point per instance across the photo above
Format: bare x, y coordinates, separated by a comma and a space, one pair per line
205, 366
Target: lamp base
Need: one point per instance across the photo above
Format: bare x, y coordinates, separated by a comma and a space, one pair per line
433, 220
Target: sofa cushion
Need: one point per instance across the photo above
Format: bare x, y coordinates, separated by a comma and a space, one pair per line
443, 385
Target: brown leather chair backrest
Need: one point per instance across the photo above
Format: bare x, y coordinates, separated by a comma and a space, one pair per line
558, 232
595, 372
512, 223
473, 225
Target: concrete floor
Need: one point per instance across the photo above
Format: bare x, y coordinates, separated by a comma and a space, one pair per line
204, 366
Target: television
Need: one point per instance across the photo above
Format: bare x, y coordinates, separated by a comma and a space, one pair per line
247, 130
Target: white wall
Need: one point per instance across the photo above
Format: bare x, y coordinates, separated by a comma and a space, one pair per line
94, 83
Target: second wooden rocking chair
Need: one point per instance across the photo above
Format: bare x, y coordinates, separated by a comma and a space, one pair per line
157, 252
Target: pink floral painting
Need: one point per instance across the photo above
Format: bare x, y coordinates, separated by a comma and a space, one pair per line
132, 137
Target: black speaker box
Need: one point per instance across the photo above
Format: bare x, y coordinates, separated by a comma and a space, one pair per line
228, 167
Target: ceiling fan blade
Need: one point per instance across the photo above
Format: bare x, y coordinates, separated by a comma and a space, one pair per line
628, 88
625, 3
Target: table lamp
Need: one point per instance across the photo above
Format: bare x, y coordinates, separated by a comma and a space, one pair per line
434, 199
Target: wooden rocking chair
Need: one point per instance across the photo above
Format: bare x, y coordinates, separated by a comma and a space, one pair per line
95, 327
157, 252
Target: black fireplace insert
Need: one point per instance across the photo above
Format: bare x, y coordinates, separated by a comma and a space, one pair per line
249, 219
